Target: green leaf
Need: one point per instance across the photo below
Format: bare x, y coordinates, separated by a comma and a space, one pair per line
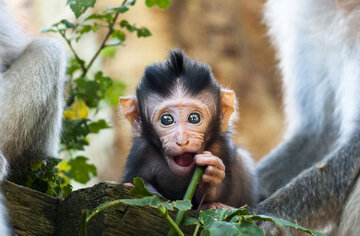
109, 52
143, 32
220, 228
118, 34
120, 9
124, 23
45, 177
190, 221
152, 201
127, 25
66, 189
104, 16
113, 43
80, 170
132, 2
85, 29
80, 6
73, 66
123, 8
88, 90
105, 82
140, 189
249, 228
96, 126
230, 213
182, 205
68, 24
282, 222
161, 3
131, 28
208, 217
74, 132
48, 29
114, 92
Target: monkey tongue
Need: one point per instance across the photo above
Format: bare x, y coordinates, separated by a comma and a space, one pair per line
184, 160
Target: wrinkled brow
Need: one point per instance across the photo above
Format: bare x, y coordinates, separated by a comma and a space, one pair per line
179, 92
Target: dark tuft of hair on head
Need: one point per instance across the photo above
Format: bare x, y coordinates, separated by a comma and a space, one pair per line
177, 62
162, 78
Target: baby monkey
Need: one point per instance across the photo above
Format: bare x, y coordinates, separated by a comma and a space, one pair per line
180, 118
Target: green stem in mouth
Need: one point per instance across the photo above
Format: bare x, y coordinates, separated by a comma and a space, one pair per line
188, 196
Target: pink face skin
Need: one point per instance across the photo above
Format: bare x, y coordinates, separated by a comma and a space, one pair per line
183, 137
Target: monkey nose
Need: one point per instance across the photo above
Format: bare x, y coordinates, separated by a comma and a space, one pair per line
182, 142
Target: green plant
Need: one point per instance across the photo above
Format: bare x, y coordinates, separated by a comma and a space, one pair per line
85, 89
212, 222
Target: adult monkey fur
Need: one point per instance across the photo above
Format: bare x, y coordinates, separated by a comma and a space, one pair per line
313, 175
32, 75
180, 118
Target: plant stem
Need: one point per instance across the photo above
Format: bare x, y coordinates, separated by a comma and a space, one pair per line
196, 229
164, 212
83, 223
102, 46
97, 210
188, 196
81, 63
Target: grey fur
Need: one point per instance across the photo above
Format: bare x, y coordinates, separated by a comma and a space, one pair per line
31, 90
32, 75
320, 60
31, 104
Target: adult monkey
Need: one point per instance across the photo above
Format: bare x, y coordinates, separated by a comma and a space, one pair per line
31, 89
313, 175
32, 77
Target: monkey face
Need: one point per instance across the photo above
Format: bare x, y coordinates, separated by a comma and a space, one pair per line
180, 122
181, 125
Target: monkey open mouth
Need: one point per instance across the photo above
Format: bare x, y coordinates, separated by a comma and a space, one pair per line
184, 159
182, 164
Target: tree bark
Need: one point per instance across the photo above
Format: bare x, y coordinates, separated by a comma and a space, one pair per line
34, 213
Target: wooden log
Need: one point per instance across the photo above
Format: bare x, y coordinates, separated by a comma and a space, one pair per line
30, 212
34, 213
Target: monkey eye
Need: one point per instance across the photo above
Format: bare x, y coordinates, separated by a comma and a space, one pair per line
194, 118
167, 119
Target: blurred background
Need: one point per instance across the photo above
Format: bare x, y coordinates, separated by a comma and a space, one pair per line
227, 35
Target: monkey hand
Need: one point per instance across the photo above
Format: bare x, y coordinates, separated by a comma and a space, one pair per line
213, 174
131, 185
214, 205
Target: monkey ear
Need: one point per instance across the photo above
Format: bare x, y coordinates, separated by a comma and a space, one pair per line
129, 105
227, 107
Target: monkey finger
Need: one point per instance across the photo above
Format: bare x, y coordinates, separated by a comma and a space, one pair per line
212, 180
213, 171
128, 185
214, 205
209, 160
